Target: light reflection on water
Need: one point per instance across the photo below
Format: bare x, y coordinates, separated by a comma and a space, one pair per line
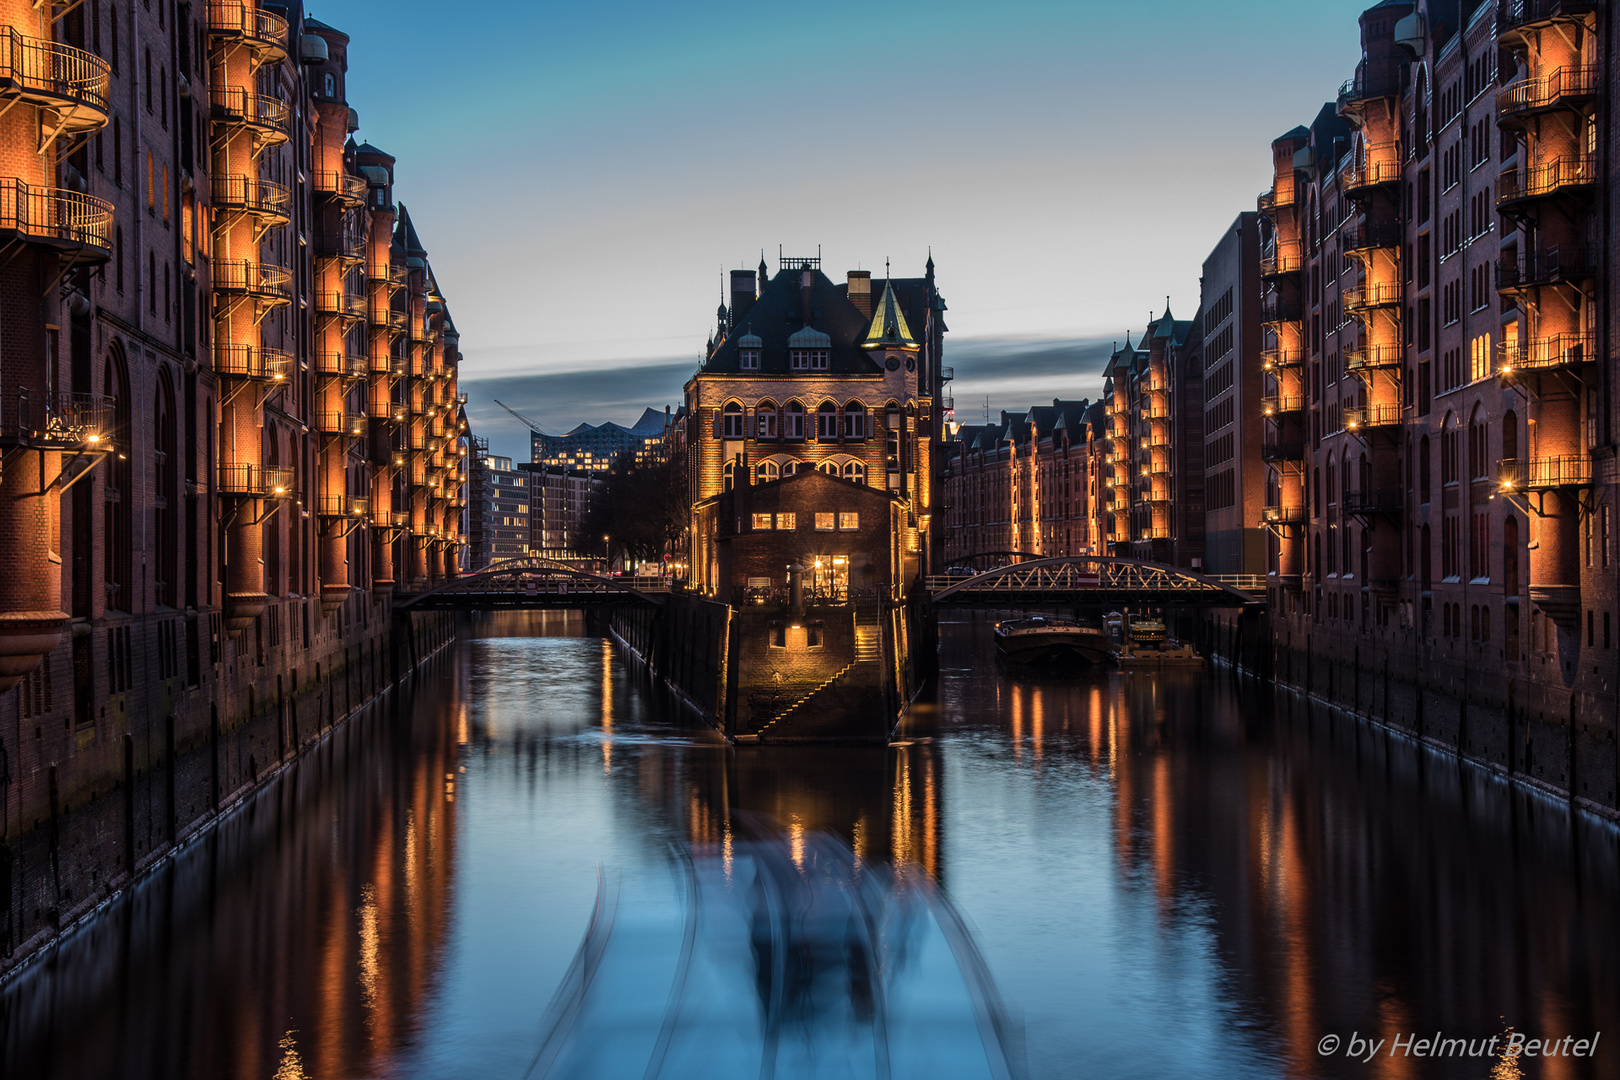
1166, 878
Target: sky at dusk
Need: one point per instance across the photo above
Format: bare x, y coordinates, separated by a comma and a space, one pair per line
581, 174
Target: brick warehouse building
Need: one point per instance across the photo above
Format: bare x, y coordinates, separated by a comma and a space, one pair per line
229, 417
1441, 285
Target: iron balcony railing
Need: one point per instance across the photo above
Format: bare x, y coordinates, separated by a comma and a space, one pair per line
383, 317
1546, 266
1370, 86
1277, 307
1381, 164
340, 305
1545, 353
55, 76
1363, 237
1282, 258
340, 365
252, 362
261, 280
267, 116
1270, 201
1372, 295
343, 245
1516, 14
1567, 173
1372, 357
1368, 417
56, 218
256, 481
249, 194
234, 19
1278, 359
55, 419
383, 273
345, 187
1283, 450
1366, 501
1545, 473
1563, 86
345, 506
388, 365
350, 425
386, 409
1279, 405
1282, 515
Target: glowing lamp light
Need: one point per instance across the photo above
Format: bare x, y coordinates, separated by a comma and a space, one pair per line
93, 439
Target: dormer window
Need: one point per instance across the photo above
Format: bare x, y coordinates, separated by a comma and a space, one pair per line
809, 349
749, 359
809, 359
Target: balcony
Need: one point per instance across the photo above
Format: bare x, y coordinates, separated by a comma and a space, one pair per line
1559, 265
256, 481
268, 202
392, 366
1372, 358
341, 424
1368, 237
1549, 353
386, 319
1367, 86
346, 247
1278, 308
1368, 501
1281, 259
344, 188
1382, 165
386, 410
339, 365
1569, 175
344, 506
1375, 294
1280, 359
75, 225
261, 281
385, 274
252, 362
42, 420
1279, 407
1271, 201
263, 33
340, 305
1278, 450
46, 74
265, 117
946, 374
1513, 15
1544, 474
1361, 418
1278, 516
1560, 88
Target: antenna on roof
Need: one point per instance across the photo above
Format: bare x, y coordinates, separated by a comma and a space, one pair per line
885, 268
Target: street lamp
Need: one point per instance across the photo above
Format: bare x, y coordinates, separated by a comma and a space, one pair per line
607, 555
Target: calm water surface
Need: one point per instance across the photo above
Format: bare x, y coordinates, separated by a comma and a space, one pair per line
1168, 878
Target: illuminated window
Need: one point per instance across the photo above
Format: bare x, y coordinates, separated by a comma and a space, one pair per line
849, 519
787, 521
762, 521
765, 420
824, 522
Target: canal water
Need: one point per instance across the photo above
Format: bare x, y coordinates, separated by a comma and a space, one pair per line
1172, 876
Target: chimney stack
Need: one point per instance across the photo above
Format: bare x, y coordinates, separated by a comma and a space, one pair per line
742, 295
807, 282
860, 291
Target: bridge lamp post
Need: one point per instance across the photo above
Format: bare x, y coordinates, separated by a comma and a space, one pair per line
607, 555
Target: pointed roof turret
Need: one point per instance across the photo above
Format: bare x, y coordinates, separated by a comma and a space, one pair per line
888, 324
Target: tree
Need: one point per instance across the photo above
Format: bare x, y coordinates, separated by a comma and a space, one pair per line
641, 508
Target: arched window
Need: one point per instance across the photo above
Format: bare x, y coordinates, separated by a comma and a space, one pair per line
1478, 444
854, 420
1448, 449
765, 420
790, 467
331, 85
1332, 494
167, 464
729, 473
768, 471
732, 421
118, 495
271, 527
1425, 470
827, 421
793, 421
856, 471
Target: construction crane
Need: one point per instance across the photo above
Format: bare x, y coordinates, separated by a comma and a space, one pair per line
530, 424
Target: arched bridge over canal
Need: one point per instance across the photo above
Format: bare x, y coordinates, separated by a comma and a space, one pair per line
533, 582
1091, 580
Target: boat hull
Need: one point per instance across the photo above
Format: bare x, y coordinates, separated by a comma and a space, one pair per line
1057, 645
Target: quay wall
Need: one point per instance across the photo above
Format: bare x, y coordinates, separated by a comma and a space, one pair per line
1546, 719
91, 803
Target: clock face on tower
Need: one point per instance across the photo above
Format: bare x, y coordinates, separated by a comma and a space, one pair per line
892, 363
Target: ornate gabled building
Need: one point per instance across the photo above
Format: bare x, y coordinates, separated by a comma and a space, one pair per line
808, 375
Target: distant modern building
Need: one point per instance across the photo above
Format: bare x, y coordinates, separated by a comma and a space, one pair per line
595, 449
558, 500
508, 498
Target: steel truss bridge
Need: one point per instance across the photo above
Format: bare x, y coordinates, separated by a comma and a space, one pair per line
532, 582
1090, 580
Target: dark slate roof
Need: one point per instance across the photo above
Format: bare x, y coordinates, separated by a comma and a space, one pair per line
777, 314
405, 233
312, 23
1299, 131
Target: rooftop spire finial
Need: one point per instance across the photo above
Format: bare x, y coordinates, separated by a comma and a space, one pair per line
885, 269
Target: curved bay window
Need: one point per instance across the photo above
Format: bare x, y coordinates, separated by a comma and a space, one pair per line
827, 421
793, 421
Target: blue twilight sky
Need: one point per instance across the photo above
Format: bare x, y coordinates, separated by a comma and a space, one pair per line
581, 173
